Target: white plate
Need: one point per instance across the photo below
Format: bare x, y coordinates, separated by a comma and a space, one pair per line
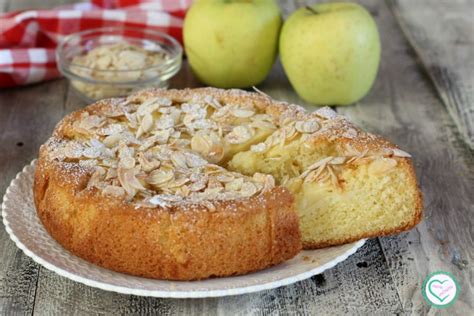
26, 230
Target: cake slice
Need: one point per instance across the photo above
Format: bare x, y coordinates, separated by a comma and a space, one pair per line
348, 184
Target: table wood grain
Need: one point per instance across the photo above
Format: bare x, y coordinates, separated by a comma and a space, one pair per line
443, 37
383, 277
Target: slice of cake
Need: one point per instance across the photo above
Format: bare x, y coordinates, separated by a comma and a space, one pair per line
349, 184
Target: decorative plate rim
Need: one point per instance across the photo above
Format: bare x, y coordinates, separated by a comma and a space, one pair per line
161, 293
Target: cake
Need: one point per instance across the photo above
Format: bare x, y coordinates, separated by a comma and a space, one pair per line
195, 183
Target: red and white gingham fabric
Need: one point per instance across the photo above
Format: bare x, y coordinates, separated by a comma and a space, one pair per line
28, 38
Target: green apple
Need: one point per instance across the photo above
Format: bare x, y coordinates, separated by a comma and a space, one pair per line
330, 52
232, 43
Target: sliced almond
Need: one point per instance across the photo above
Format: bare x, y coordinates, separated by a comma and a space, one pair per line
310, 126
179, 160
145, 125
316, 165
91, 152
96, 177
165, 122
242, 113
213, 183
162, 136
114, 190
267, 180
337, 160
240, 134
146, 164
234, 185
148, 107
128, 181
127, 162
248, 189
209, 148
400, 153
216, 153
194, 161
160, 176
225, 177
198, 185
212, 102
112, 140
177, 183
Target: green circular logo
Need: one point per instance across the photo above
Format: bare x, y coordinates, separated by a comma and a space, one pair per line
440, 289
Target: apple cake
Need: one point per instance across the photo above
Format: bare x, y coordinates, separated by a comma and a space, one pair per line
190, 184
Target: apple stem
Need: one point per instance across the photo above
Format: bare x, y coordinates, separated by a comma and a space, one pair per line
311, 9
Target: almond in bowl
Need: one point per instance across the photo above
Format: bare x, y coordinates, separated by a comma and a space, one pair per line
113, 62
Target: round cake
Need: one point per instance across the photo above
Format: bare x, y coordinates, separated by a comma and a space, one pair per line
195, 183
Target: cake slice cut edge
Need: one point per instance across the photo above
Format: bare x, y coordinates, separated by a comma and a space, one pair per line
348, 184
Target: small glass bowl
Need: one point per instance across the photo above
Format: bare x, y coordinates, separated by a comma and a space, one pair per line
93, 84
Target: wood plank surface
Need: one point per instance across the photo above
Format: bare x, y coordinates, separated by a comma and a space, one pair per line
27, 116
403, 108
360, 285
443, 37
384, 277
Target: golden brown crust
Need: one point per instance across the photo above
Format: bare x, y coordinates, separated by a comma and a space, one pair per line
178, 244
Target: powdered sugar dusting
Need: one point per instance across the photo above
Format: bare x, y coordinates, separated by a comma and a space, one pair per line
168, 147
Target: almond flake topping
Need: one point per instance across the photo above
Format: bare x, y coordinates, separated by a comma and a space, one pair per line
161, 175
400, 153
240, 134
158, 152
242, 113
310, 126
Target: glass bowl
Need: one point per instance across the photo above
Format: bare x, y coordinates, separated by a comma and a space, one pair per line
93, 82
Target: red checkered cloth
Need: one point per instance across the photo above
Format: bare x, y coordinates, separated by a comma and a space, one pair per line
28, 38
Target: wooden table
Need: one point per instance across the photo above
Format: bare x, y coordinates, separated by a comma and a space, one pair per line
385, 275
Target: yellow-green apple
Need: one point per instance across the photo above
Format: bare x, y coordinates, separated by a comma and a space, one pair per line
330, 52
232, 43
